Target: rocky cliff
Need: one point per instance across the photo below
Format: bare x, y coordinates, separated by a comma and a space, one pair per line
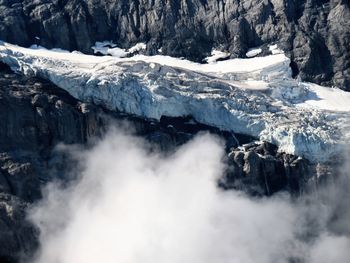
314, 33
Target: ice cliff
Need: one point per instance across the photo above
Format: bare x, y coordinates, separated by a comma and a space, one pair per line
255, 96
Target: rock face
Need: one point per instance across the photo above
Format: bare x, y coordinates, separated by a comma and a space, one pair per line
314, 33
17, 237
35, 116
259, 169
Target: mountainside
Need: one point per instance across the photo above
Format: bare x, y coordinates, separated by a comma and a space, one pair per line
315, 34
172, 126
36, 116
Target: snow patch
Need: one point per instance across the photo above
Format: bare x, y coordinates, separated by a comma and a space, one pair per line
253, 52
137, 47
275, 50
326, 98
216, 55
109, 48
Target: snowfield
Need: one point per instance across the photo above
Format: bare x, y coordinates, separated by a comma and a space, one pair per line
254, 96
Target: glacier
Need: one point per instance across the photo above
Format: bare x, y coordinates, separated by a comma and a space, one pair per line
255, 96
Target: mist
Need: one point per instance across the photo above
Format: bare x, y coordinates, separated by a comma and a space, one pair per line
128, 204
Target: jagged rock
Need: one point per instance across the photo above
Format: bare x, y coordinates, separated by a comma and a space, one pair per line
314, 33
252, 165
297, 172
18, 238
35, 116
259, 169
273, 174
22, 179
36, 120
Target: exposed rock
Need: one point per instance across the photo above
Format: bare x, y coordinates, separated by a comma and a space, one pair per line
314, 33
259, 169
21, 179
35, 116
18, 238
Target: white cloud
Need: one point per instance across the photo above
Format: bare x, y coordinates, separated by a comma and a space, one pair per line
130, 206
331, 249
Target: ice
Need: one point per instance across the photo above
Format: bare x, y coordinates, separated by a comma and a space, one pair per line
326, 98
240, 68
275, 50
253, 52
216, 55
109, 48
255, 96
137, 47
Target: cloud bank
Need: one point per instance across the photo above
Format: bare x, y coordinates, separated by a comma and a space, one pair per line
129, 205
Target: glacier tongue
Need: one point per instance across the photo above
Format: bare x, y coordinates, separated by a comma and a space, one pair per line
254, 96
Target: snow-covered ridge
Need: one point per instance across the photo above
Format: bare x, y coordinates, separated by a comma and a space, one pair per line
254, 96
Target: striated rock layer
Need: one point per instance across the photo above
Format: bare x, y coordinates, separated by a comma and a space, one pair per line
314, 33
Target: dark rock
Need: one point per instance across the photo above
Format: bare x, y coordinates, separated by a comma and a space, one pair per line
4, 184
37, 116
252, 166
162, 140
314, 33
274, 174
266, 148
18, 238
259, 169
34, 117
297, 172
22, 180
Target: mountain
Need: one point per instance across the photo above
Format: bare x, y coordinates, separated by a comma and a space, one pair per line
315, 34
248, 72
36, 116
